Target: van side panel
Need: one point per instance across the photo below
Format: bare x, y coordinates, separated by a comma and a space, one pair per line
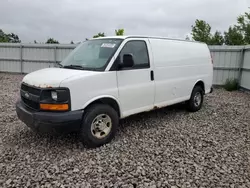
178, 66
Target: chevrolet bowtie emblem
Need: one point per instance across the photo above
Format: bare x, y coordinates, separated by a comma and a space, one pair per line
27, 95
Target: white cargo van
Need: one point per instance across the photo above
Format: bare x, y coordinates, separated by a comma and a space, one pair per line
106, 79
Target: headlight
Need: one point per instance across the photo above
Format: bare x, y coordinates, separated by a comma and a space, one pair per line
57, 99
54, 95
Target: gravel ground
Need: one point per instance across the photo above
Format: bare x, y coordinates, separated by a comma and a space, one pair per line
165, 148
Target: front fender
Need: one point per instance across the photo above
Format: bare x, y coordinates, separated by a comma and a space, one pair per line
101, 97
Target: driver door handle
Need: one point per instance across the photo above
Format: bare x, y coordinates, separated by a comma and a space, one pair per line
152, 75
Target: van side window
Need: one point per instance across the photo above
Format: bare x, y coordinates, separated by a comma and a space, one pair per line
139, 51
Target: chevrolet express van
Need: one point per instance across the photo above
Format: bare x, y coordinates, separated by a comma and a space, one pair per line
106, 79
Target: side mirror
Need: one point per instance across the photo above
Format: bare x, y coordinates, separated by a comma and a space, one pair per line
128, 61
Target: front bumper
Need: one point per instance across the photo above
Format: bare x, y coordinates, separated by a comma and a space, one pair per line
49, 122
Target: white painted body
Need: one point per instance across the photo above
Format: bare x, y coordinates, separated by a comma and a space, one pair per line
177, 66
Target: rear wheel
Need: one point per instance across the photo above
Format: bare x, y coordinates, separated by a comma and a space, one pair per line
196, 100
99, 125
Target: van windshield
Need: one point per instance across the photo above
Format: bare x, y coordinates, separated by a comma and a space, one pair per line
92, 54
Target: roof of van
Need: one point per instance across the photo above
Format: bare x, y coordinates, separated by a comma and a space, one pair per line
144, 36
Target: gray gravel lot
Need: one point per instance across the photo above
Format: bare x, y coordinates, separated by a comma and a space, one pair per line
165, 148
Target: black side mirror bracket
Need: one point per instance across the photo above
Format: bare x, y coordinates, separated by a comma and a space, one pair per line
128, 61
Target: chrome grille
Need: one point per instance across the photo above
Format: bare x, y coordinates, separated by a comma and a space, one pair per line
30, 96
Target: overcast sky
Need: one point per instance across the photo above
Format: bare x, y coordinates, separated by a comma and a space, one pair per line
67, 20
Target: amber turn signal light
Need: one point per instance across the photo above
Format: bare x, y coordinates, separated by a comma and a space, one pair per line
54, 107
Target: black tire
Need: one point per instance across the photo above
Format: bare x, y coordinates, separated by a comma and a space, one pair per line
91, 113
192, 104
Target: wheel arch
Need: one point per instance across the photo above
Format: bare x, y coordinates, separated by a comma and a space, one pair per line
105, 99
201, 84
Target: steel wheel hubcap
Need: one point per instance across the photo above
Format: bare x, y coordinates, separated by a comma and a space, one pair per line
101, 126
197, 99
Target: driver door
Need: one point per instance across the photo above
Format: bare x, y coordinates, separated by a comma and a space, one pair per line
136, 83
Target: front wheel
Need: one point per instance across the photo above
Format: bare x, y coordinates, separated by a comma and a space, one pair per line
196, 100
99, 125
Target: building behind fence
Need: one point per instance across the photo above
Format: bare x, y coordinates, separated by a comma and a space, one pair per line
229, 61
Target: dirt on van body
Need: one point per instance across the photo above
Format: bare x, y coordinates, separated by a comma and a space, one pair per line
168, 147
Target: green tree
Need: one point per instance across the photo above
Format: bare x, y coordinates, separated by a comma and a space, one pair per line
119, 32
13, 38
217, 39
4, 37
201, 31
243, 26
234, 36
52, 41
99, 35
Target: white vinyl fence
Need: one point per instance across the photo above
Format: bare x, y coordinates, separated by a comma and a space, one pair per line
25, 58
229, 61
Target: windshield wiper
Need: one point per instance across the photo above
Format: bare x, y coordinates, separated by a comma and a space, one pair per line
73, 67
60, 65
80, 67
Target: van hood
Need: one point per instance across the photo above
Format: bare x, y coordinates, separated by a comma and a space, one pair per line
52, 77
